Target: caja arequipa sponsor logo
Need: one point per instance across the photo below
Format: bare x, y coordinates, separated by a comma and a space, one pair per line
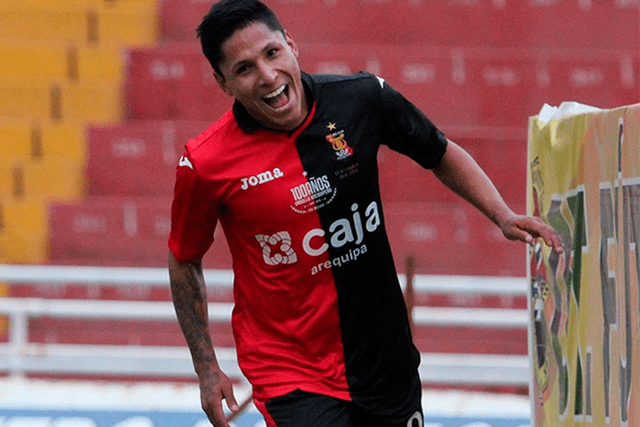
338, 141
346, 233
276, 248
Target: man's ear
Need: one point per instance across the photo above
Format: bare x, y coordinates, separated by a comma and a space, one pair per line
221, 82
292, 44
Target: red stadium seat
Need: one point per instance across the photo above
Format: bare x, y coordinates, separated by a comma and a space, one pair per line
134, 231
345, 21
137, 159
440, 235
442, 23
453, 86
434, 79
578, 24
172, 82
486, 66
602, 79
179, 18
505, 162
503, 158
502, 86
126, 231
403, 180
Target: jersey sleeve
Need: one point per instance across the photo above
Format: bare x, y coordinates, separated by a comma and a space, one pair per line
412, 133
194, 213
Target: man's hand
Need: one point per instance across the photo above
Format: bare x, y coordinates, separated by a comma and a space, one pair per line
529, 228
214, 387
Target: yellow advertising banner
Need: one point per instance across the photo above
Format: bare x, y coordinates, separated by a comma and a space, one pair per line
584, 180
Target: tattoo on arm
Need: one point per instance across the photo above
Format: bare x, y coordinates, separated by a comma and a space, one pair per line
190, 301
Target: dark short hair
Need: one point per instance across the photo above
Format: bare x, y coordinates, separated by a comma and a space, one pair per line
227, 16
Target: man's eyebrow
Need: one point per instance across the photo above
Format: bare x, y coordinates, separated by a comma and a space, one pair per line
272, 44
240, 63
276, 43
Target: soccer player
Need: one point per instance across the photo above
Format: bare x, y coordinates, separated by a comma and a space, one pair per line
290, 172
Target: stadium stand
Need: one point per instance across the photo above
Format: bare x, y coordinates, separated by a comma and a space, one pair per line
6, 180
137, 159
19, 134
28, 213
497, 24
172, 82
504, 160
43, 159
592, 23
440, 235
27, 59
118, 230
487, 79
23, 227
42, 23
100, 96
474, 86
19, 99
97, 23
53, 139
109, 229
52, 178
96, 102
63, 66
604, 79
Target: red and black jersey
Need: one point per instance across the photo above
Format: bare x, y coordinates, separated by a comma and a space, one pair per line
318, 306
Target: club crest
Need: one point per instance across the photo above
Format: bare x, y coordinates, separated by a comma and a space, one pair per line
338, 142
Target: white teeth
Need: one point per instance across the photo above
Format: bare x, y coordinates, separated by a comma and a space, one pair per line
276, 92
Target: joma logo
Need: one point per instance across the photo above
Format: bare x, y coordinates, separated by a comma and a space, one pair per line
261, 178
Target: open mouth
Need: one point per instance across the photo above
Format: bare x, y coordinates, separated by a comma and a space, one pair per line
278, 98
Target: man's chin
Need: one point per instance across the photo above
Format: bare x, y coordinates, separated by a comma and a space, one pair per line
281, 118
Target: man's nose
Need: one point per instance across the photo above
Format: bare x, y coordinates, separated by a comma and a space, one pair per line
268, 74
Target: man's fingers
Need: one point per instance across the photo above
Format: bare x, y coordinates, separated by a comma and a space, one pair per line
548, 234
526, 229
232, 404
557, 246
520, 234
216, 415
552, 239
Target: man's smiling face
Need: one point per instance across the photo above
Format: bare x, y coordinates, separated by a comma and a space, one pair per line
260, 69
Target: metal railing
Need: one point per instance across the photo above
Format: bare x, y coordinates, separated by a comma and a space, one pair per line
18, 356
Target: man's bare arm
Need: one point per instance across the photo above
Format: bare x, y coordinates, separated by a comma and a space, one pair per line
460, 172
189, 295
